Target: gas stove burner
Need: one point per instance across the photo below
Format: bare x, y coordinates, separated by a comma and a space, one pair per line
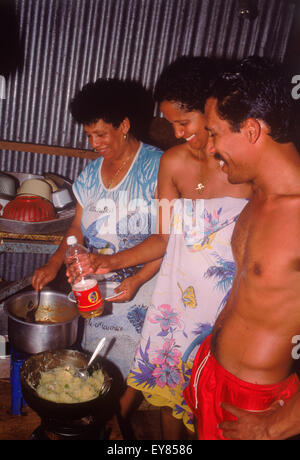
54, 430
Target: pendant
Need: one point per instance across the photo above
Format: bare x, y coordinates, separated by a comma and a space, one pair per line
200, 187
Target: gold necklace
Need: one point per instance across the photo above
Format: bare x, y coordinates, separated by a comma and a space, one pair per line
118, 171
200, 187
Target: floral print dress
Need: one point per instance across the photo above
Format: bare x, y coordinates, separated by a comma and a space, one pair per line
192, 287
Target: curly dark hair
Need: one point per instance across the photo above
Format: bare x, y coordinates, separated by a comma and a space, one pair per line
186, 81
112, 100
256, 88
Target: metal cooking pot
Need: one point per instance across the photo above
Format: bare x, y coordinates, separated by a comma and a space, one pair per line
31, 337
31, 374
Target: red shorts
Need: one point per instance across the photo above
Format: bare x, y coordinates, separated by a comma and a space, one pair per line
211, 384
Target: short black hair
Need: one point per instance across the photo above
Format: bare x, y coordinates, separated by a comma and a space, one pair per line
186, 81
258, 88
112, 100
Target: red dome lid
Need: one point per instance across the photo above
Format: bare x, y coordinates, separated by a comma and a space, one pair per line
29, 209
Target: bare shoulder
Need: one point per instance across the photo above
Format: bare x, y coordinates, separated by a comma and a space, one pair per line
283, 216
178, 158
176, 172
175, 154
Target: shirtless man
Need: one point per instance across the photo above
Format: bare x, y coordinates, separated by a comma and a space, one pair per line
248, 358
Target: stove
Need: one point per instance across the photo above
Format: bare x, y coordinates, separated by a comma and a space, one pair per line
85, 428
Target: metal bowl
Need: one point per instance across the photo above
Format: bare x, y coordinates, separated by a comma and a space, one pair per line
31, 374
33, 337
62, 198
8, 184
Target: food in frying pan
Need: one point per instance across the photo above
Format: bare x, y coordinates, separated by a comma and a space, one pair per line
60, 385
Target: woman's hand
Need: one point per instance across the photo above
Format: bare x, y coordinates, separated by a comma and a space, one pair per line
44, 275
126, 289
77, 267
101, 264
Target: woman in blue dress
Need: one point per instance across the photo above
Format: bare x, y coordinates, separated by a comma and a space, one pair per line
114, 210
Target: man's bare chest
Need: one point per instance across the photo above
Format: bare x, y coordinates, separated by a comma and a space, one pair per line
265, 243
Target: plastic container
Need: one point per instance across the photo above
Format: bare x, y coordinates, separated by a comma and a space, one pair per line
86, 290
29, 209
36, 187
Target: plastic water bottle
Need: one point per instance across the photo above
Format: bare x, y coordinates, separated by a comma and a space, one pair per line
86, 290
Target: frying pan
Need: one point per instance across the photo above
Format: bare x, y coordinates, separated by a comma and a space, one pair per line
30, 376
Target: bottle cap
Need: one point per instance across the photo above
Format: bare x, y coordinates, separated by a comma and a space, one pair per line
71, 240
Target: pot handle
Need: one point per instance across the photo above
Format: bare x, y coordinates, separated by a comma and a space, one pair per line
71, 297
14, 287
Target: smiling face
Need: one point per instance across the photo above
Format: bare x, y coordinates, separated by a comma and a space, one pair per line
186, 125
231, 148
105, 139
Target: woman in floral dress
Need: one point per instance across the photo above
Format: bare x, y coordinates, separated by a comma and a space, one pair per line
198, 268
192, 287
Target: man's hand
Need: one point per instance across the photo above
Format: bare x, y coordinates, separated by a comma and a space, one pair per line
249, 425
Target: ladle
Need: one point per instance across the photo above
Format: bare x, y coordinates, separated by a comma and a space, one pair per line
32, 309
38, 298
83, 372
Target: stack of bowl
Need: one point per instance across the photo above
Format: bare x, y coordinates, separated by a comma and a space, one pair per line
8, 188
33, 202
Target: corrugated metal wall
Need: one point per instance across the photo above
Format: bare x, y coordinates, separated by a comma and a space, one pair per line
14, 267
67, 43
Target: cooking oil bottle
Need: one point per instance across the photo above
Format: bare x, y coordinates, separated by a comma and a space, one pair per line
85, 287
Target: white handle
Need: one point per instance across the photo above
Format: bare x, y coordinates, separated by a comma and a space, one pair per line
113, 296
98, 348
72, 299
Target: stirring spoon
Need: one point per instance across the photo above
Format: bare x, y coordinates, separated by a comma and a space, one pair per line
83, 372
32, 308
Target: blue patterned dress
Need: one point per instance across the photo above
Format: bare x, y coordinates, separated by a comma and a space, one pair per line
113, 220
192, 287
